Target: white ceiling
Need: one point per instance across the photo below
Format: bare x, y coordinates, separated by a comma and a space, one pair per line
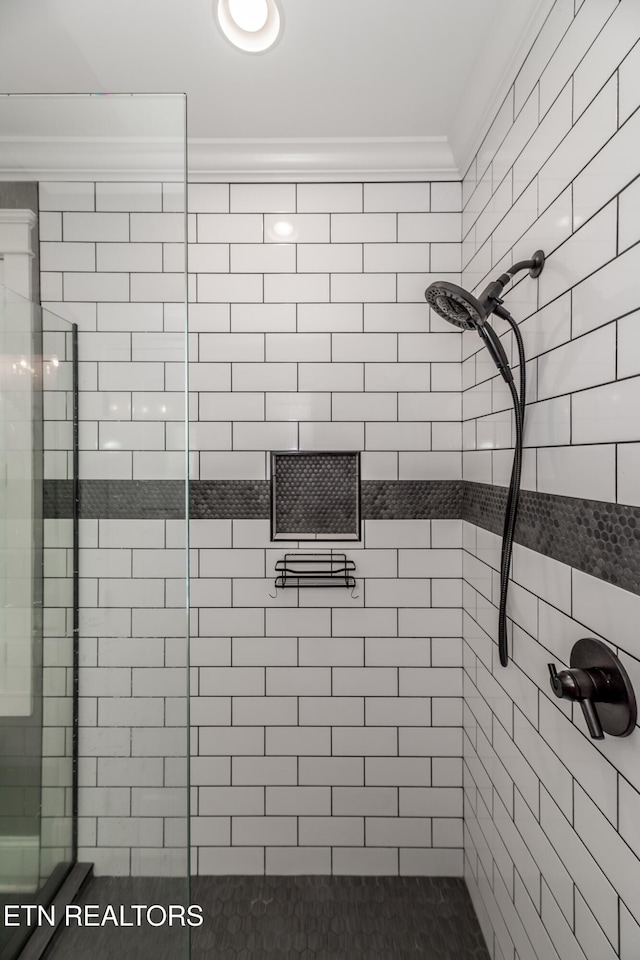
411, 76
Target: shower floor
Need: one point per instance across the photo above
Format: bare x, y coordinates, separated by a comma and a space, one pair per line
288, 918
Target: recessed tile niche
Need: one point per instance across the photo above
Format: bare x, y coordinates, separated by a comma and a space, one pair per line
315, 495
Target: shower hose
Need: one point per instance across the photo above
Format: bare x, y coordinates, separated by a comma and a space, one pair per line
513, 495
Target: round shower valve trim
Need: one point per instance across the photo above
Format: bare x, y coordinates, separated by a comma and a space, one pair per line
597, 681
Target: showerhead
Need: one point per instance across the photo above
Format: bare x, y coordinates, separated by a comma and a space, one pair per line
456, 305
461, 308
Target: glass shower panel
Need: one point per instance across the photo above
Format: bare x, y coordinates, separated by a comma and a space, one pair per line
36, 612
20, 599
112, 220
58, 366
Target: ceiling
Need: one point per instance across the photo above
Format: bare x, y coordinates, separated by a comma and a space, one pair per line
414, 80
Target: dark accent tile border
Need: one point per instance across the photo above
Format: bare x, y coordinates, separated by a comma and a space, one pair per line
115, 499
601, 539
158, 499
132, 499
57, 499
241, 499
412, 499
229, 499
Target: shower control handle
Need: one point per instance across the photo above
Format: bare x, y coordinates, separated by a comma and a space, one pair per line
598, 681
585, 686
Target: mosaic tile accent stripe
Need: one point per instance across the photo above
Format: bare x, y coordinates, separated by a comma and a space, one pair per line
601, 539
158, 499
412, 499
242, 499
132, 499
115, 499
57, 499
229, 499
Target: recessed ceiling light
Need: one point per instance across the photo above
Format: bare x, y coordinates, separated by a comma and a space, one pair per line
250, 15
250, 25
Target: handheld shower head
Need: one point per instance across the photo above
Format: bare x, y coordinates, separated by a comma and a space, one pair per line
456, 305
462, 309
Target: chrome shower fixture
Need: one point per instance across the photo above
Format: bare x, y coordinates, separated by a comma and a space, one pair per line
463, 310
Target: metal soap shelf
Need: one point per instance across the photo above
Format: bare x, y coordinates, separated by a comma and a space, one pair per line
315, 570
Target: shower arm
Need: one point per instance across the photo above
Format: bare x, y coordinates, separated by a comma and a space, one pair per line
534, 266
491, 294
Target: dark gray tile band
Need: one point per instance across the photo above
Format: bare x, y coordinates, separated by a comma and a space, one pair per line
412, 499
116, 499
161, 499
241, 499
601, 539
229, 499
57, 499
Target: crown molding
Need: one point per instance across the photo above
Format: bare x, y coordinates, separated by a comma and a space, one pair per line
91, 158
311, 158
78, 158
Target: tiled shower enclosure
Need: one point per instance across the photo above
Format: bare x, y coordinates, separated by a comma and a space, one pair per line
371, 732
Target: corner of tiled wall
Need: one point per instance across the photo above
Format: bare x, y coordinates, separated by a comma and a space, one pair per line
551, 856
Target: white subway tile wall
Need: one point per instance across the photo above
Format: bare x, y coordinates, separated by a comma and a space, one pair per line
305, 698
309, 330
551, 862
114, 261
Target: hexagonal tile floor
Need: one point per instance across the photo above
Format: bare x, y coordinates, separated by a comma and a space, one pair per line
335, 918
288, 918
